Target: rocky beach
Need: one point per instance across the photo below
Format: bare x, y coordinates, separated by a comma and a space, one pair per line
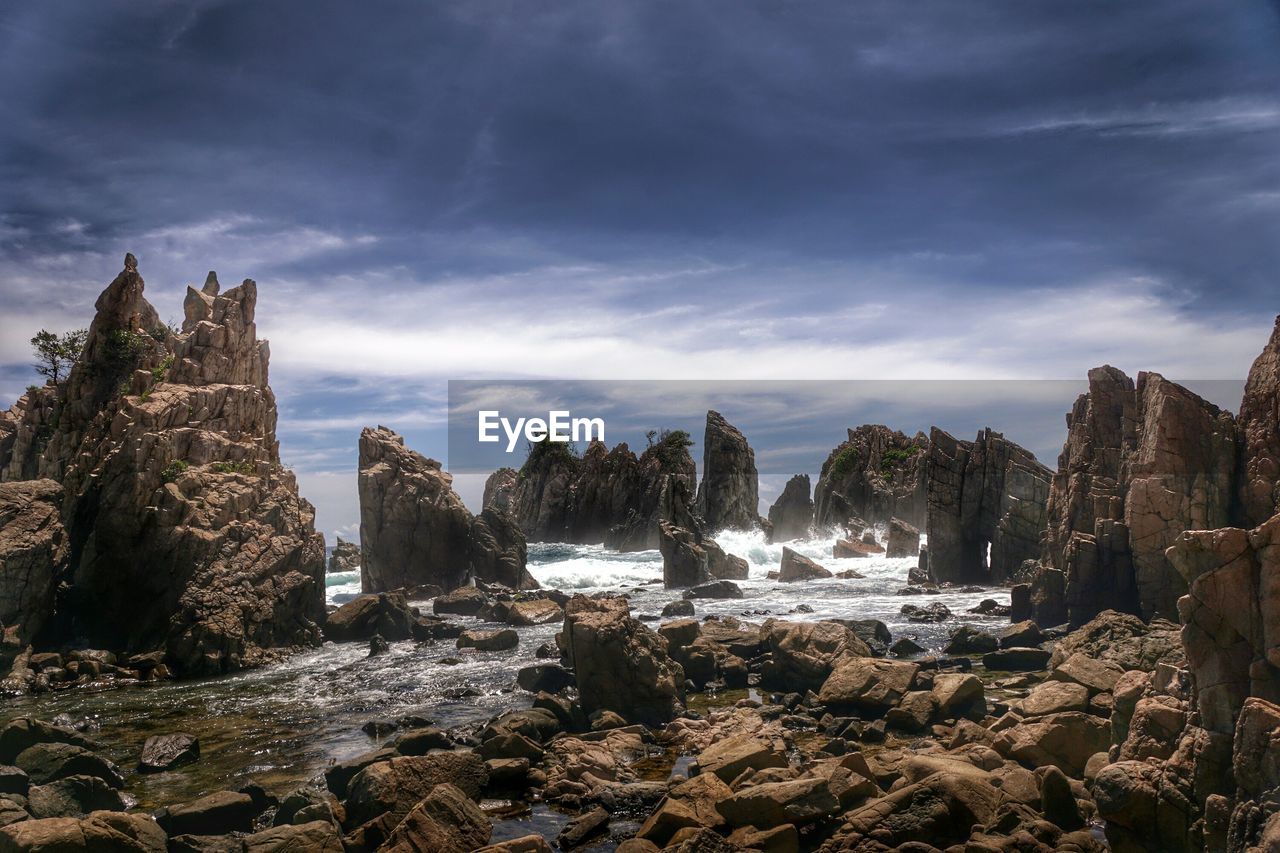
945, 645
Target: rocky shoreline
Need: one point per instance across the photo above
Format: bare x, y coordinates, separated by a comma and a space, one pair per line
1131, 702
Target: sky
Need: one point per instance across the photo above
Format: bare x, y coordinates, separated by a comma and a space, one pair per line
730, 189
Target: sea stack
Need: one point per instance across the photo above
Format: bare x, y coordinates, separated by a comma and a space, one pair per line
729, 494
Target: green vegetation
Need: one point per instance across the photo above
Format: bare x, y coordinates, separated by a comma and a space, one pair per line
55, 354
670, 446
173, 470
897, 455
548, 452
31, 389
233, 467
845, 462
160, 370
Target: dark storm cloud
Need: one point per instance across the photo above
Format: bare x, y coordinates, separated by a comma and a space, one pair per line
994, 187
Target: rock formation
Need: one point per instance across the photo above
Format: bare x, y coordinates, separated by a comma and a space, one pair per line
620, 664
876, 474
729, 495
791, 515
414, 529
1141, 464
1259, 425
986, 492
902, 539
33, 553
345, 556
172, 488
609, 497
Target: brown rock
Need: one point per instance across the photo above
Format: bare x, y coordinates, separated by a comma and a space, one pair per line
876, 474
870, 684
444, 821
797, 567
903, 539
398, 784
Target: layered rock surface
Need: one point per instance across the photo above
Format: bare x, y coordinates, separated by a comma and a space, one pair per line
414, 529
876, 474
1141, 464
173, 490
984, 492
729, 493
791, 515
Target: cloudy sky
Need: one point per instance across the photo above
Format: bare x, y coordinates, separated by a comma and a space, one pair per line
647, 190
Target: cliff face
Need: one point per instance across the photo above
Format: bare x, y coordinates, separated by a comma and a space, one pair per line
1141, 464
173, 491
609, 497
1260, 436
876, 474
414, 529
729, 495
984, 492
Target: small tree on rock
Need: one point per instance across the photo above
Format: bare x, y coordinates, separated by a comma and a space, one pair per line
56, 353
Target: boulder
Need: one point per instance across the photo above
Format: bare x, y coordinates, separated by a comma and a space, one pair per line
1098, 676
903, 539
935, 612
797, 567
24, 732
444, 821
214, 814
764, 806
1014, 659
730, 757
941, 808
619, 663
959, 695
500, 640
850, 548
537, 611
1055, 697
74, 796
384, 614
398, 784
967, 640
320, 836
715, 589
1022, 634
1066, 741
345, 556
792, 513
103, 830
870, 684
48, 762
549, 677
728, 496
463, 601
804, 654
165, 752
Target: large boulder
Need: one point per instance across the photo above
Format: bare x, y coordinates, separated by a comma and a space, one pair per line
728, 496
620, 664
903, 539
791, 516
384, 614
444, 821
414, 529
798, 567
804, 654
868, 684
101, 830
396, 785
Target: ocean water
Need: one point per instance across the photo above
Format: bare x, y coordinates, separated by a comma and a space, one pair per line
283, 724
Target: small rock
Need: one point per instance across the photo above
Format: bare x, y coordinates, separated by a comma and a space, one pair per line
582, 828
715, 589
678, 608
165, 752
489, 641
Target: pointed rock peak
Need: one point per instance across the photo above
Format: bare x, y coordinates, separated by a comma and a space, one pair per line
211, 286
130, 262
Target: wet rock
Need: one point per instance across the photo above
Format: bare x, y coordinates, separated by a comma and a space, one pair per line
165, 752
104, 830
935, 612
873, 632
551, 677
444, 821
414, 529
489, 641
797, 567
383, 614
48, 762
792, 513
903, 539
23, 732
534, 844
1021, 634
583, 828
967, 640
804, 654
679, 608
715, 589
620, 663
463, 601
74, 796
870, 684
13, 780
539, 611
728, 495
215, 814
848, 548
396, 785
1016, 659
905, 647
378, 646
